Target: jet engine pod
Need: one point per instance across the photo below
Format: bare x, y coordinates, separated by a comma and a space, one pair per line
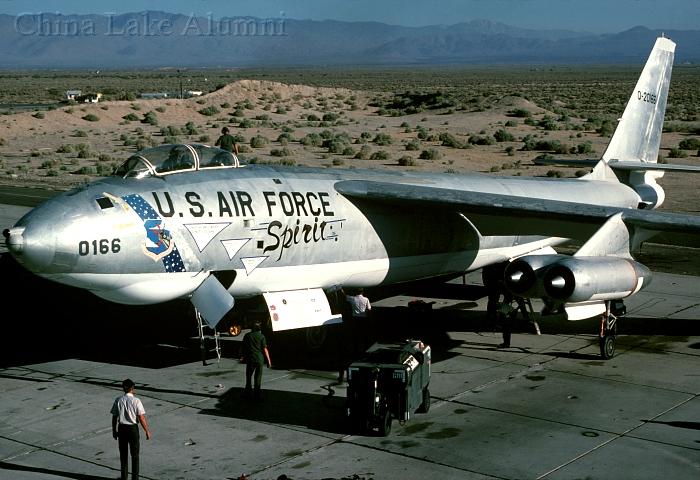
580, 279
522, 276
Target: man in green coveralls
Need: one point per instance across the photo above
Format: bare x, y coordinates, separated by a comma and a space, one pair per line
227, 142
254, 354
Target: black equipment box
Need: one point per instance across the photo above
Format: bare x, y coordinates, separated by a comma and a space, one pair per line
389, 382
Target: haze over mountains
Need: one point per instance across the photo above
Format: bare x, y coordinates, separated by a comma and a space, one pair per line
159, 39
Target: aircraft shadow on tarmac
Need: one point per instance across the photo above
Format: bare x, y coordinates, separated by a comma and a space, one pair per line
59, 322
47, 471
324, 413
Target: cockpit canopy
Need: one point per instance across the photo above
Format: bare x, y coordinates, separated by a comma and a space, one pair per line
175, 158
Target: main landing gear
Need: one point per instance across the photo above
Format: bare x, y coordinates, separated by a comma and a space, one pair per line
608, 328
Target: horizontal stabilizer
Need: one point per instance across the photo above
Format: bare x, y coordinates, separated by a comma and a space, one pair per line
659, 167
618, 165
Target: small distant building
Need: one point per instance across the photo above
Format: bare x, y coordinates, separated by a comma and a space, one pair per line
193, 93
154, 95
72, 94
89, 98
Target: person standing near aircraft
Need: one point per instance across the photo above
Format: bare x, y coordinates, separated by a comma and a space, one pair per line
127, 412
506, 315
359, 309
359, 304
498, 311
227, 142
255, 353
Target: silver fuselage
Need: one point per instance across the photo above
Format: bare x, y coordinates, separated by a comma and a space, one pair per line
276, 228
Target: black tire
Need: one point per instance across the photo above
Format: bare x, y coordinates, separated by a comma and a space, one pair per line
385, 425
425, 406
607, 347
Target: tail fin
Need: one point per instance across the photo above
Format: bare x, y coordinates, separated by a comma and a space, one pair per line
635, 143
638, 133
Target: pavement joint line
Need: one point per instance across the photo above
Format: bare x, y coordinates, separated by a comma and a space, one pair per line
532, 368
652, 302
423, 459
273, 379
480, 388
49, 449
557, 422
683, 309
632, 347
309, 373
144, 393
644, 346
620, 435
305, 452
525, 354
539, 367
616, 380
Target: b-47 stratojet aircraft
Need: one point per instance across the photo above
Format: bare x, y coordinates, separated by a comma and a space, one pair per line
190, 221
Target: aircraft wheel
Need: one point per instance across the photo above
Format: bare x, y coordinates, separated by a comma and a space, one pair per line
425, 406
234, 330
385, 425
607, 347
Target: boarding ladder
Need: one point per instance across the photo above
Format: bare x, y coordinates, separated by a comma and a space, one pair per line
202, 324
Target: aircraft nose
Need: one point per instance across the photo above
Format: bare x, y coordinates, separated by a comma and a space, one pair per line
31, 243
14, 239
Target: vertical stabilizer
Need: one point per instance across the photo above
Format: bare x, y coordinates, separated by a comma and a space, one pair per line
638, 133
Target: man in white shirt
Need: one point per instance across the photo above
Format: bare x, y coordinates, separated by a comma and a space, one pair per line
359, 304
127, 412
359, 308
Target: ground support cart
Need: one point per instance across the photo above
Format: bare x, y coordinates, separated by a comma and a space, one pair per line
389, 382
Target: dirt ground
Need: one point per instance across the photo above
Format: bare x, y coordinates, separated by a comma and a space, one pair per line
45, 148
73, 144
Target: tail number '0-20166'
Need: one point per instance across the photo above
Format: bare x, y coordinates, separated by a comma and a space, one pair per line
646, 97
99, 247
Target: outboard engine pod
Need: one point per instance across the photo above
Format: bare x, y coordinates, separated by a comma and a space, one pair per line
580, 279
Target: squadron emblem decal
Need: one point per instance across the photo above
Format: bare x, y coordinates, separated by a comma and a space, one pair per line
158, 244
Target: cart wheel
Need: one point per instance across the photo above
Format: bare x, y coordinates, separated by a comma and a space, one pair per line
425, 406
234, 330
385, 426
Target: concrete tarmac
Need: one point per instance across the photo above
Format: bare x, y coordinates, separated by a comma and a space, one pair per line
548, 407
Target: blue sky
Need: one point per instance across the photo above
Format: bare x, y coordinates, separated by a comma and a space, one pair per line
598, 16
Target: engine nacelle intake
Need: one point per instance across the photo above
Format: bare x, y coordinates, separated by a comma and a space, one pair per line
523, 276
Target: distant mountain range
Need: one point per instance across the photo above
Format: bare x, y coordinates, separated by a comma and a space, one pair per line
159, 39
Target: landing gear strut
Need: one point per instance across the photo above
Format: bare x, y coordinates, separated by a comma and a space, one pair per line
608, 332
